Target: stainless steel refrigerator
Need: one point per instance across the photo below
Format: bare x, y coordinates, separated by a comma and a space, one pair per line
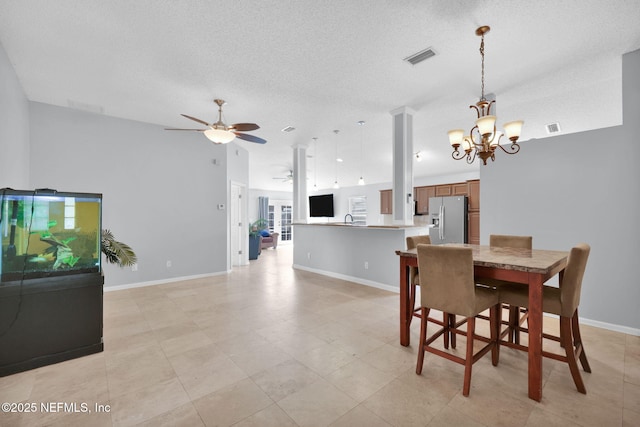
448, 219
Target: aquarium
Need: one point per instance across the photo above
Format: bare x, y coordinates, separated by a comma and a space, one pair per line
49, 233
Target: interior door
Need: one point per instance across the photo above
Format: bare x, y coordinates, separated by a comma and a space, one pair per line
280, 216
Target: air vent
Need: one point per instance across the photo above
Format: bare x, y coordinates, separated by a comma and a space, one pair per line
553, 128
288, 129
420, 56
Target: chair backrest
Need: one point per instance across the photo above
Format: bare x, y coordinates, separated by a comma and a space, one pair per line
414, 241
446, 279
507, 241
571, 285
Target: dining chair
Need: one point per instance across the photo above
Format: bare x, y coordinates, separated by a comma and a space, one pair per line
562, 301
414, 278
447, 284
515, 318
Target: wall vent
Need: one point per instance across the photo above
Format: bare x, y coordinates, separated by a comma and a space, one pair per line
553, 128
288, 129
420, 56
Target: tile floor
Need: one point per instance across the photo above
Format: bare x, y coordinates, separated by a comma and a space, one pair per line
271, 346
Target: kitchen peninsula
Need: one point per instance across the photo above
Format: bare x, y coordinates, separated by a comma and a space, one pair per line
358, 253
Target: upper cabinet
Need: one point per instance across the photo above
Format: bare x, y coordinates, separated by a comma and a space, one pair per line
386, 201
444, 190
459, 189
474, 195
422, 195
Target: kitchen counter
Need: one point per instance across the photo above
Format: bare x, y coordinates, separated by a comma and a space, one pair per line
359, 253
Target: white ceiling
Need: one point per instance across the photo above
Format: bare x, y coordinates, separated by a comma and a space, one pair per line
325, 65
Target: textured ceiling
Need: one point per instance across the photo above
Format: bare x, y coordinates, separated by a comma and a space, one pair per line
325, 65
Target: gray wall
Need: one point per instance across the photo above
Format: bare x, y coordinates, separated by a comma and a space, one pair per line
160, 189
582, 187
14, 128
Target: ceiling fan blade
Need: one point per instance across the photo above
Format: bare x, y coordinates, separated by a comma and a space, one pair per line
195, 120
244, 127
195, 130
250, 138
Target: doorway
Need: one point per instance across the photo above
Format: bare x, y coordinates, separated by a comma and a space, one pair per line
280, 215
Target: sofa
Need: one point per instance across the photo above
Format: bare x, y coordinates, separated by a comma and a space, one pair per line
268, 240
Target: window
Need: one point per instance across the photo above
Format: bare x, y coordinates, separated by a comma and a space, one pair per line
358, 209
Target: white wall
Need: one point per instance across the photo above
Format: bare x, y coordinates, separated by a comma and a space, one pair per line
582, 187
160, 189
14, 128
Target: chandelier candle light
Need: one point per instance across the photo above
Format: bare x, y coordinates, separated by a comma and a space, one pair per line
484, 137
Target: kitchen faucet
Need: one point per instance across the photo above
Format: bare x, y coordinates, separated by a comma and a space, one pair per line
345, 218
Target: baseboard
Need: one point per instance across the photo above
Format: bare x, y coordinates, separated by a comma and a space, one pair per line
358, 280
162, 281
610, 326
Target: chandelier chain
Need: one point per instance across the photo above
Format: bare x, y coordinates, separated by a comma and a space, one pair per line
482, 98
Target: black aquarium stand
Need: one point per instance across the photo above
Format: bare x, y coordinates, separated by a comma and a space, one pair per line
48, 320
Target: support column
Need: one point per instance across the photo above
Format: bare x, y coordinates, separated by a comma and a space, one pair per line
299, 183
403, 166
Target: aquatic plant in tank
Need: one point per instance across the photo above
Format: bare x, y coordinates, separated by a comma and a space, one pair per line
49, 233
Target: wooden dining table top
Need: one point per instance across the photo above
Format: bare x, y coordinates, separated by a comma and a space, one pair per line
527, 260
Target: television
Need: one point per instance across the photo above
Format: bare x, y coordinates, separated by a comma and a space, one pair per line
321, 205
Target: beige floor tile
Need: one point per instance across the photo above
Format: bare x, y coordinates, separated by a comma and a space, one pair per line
325, 359
146, 403
357, 343
540, 417
630, 418
259, 358
318, 404
390, 359
185, 415
449, 417
359, 380
177, 345
632, 397
232, 404
17, 387
272, 416
400, 405
360, 417
284, 379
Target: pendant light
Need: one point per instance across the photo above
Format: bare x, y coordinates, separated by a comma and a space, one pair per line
361, 180
335, 184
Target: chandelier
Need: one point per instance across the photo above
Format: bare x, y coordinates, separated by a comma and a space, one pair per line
483, 138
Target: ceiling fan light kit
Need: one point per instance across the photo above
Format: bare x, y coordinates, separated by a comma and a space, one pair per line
220, 133
483, 138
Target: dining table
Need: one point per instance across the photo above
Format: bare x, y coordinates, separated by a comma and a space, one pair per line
532, 267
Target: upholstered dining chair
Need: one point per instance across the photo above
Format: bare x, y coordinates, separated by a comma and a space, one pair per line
414, 278
515, 320
447, 284
562, 301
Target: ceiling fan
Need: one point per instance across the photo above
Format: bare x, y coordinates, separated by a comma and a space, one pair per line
220, 133
288, 178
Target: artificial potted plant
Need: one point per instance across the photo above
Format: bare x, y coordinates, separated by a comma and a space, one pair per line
117, 252
254, 237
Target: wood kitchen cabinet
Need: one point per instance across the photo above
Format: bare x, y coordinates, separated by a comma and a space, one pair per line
422, 195
474, 228
444, 190
460, 189
386, 201
474, 195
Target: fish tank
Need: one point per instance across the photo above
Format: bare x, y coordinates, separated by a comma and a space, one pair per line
48, 233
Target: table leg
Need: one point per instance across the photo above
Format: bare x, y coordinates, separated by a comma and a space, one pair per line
404, 302
535, 336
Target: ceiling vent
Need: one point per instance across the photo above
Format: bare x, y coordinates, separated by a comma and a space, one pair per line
553, 128
288, 129
420, 56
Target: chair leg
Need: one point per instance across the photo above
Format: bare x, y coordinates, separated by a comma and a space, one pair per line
423, 338
447, 323
452, 326
514, 324
577, 341
565, 336
412, 300
495, 320
468, 361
